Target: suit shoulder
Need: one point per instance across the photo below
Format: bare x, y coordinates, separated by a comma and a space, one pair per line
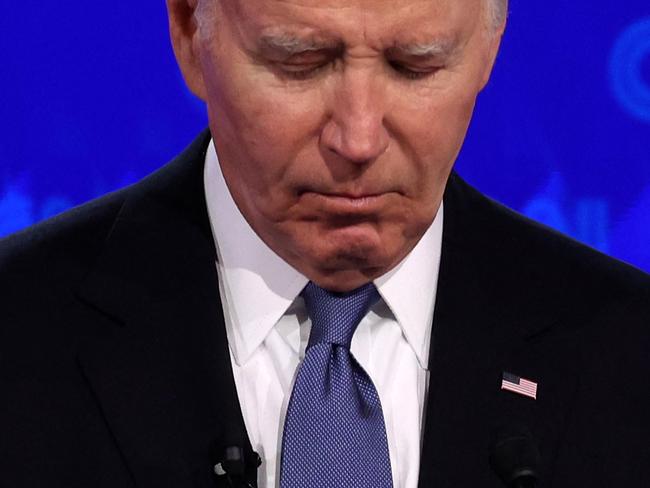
58, 249
549, 258
47, 260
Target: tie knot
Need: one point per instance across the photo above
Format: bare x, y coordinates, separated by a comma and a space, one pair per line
335, 316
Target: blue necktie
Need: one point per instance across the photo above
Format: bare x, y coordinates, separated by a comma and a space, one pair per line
334, 433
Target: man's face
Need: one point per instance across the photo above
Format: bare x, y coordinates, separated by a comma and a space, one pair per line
337, 122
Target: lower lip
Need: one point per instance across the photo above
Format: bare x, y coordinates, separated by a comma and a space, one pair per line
343, 204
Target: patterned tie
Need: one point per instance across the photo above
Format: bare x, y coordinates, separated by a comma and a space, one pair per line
334, 432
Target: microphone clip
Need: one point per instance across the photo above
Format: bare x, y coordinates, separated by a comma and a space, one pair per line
238, 466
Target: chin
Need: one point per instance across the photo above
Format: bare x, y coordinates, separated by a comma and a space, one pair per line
344, 280
350, 264
344, 257
359, 246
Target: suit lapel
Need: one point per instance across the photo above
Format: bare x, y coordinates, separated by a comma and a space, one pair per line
159, 366
488, 319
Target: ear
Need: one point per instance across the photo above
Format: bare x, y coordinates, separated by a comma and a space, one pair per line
184, 32
494, 41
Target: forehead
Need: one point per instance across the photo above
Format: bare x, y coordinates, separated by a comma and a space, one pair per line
375, 23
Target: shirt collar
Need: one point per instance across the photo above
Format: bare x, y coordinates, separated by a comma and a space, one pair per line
259, 286
409, 289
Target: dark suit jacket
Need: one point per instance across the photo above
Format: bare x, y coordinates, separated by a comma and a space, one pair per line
114, 368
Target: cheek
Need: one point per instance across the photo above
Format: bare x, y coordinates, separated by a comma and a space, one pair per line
264, 104
431, 134
263, 127
450, 127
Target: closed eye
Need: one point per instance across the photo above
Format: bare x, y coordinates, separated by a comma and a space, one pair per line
412, 74
301, 71
306, 71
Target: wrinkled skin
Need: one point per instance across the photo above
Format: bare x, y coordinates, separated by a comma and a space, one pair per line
341, 170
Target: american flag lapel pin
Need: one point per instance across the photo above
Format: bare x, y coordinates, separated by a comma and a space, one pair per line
519, 385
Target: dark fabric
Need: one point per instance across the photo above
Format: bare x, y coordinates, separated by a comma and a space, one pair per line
115, 372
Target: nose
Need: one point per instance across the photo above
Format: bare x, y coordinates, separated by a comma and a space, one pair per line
356, 130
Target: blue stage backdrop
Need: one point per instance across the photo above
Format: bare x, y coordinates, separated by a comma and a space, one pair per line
92, 100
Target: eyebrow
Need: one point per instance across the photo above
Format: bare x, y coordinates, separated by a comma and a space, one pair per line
435, 49
289, 44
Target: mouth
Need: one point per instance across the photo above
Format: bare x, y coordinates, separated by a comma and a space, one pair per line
360, 198
349, 204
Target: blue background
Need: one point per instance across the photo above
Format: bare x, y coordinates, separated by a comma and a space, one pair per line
91, 100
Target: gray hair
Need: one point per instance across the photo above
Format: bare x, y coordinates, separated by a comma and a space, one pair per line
497, 12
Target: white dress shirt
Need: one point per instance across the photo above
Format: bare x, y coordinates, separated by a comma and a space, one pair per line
268, 329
